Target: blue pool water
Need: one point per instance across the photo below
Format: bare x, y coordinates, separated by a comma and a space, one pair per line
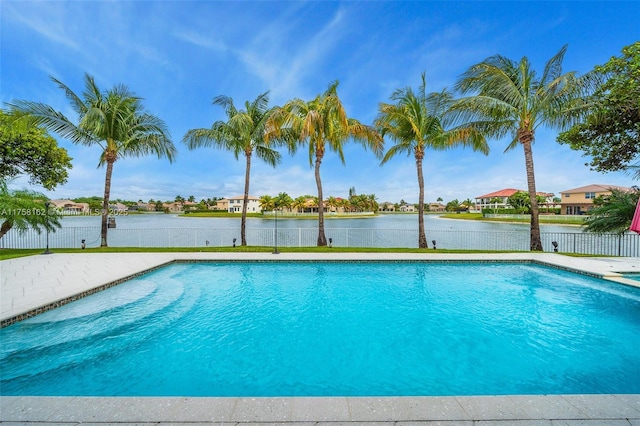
328, 329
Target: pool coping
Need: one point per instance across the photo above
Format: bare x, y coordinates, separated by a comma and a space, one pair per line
463, 410
26, 283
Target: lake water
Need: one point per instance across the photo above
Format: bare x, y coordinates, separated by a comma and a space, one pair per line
389, 221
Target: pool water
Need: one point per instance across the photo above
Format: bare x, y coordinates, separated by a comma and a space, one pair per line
333, 329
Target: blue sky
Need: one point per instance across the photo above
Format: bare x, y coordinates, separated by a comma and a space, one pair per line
179, 55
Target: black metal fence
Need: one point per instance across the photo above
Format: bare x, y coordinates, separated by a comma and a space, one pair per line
517, 240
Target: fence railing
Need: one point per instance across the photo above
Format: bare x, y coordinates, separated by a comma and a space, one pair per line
516, 240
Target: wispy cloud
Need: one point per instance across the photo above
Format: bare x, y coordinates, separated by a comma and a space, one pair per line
48, 19
197, 39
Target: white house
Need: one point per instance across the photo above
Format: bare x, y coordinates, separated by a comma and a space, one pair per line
235, 204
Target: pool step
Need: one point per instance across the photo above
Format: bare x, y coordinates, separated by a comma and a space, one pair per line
108, 324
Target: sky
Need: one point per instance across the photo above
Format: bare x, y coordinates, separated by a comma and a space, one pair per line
179, 55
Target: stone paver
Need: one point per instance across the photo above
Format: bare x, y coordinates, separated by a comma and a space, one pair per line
35, 281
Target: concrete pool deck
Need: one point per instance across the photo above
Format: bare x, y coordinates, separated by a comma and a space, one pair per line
34, 283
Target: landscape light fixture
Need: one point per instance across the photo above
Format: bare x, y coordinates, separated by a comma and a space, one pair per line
82, 244
555, 246
234, 242
330, 242
434, 244
46, 224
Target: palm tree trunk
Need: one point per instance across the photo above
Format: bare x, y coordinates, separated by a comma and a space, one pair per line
422, 238
322, 239
6, 227
105, 203
243, 222
535, 240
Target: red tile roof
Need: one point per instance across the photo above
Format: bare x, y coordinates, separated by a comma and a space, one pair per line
508, 192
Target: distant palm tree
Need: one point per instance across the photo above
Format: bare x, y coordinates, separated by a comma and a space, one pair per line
284, 201
417, 122
242, 133
321, 124
332, 202
114, 119
509, 98
267, 202
299, 203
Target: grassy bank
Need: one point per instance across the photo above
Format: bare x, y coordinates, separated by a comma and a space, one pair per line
543, 219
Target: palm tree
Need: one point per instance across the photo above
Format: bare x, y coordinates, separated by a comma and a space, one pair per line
332, 203
115, 120
13, 204
267, 202
416, 122
612, 213
299, 203
322, 124
511, 99
284, 201
242, 133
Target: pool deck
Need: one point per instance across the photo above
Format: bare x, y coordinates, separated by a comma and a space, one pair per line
30, 283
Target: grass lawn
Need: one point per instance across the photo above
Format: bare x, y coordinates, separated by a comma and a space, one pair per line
543, 219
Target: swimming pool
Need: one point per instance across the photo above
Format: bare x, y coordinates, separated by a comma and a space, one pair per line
319, 329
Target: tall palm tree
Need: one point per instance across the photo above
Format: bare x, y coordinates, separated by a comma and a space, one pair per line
416, 122
509, 98
115, 120
321, 124
242, 133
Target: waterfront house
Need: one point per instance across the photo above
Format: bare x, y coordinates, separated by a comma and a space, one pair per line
407, 208
580, 200
437, 207
387, 206
68, 207
235, 204
500, 199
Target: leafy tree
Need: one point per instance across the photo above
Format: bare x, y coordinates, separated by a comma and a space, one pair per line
267, 202
610, 133
453, 205
179, 199
613, 213
299, 203
283, 201
24, 209
332, 202
26, 149
495, 201
509, 98
321, 124
115, 120
418, 121
94, 202
468, 203
242, 133
520, 201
